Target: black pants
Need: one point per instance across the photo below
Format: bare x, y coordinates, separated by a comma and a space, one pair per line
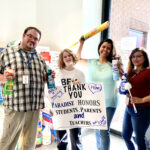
62, 141
75, 137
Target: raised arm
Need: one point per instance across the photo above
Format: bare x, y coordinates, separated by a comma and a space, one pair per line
78, 54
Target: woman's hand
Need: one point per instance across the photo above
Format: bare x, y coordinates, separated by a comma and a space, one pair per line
137, 100
140, 100
119, 64
121, 71
82, 40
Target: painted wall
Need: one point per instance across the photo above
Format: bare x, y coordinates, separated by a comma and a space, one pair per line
62, 22
15, 16
91, 18
59, 21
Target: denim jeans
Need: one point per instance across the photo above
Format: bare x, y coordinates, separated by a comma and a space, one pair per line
103, 136
137, 123
147, 138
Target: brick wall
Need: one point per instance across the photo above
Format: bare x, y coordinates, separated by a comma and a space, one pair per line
127, 14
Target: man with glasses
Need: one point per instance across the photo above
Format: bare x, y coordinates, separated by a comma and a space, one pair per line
22, 107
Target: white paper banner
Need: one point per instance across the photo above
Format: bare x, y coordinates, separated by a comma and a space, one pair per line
81, 105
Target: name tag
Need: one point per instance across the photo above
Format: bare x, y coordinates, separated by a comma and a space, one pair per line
25, 79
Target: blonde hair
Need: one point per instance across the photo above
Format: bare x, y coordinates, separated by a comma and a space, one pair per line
61, 64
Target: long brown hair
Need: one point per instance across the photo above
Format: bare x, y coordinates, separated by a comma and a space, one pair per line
131, 65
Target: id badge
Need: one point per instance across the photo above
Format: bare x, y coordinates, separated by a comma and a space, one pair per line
25, 79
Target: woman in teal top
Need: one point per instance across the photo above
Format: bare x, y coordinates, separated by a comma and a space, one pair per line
103, 73
100, 70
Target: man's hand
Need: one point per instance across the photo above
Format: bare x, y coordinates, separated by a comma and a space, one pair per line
9, 74
53, 74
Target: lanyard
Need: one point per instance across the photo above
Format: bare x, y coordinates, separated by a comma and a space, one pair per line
29, 62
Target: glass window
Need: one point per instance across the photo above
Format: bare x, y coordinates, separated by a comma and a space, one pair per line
140, 37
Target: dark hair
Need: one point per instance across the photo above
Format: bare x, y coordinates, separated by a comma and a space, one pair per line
112, 46
146, 60
30, 28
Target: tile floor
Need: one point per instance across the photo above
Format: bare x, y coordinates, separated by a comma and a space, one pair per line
89, 142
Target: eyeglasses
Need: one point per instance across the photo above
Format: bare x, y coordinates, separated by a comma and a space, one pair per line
138, 56
31, 37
